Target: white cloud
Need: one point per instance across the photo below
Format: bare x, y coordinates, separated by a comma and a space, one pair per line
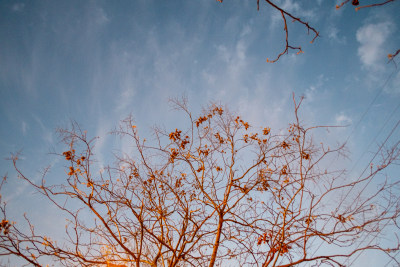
47, 134
372, 38
227, 81
333, 34
100, 17
342, 119
245, 31
126, 95
122, 72
102, 145
295, 9
18, 7
311, 92
24, 127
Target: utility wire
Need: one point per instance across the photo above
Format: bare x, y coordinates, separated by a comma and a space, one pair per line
387, 264
376, 153
369, 181
373, 141
353, 130
370, 105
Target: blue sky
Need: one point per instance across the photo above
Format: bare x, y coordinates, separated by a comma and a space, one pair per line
96, 62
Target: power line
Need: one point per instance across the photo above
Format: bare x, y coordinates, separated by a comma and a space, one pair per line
387, 264
359, 178
376, 153
351, 133
369, 181
374, 139
370, 104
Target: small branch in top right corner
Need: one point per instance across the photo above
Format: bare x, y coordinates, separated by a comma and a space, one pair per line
392, 56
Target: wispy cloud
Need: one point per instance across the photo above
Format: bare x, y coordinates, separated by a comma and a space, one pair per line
311, 92
227, 81
46, 133
102, 145
342, 119
18, 7
333, 34
295, 9
24, 127
372, 38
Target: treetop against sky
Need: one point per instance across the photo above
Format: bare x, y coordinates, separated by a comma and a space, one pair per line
97, 62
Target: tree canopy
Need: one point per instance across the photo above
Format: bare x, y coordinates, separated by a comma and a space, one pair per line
219, 192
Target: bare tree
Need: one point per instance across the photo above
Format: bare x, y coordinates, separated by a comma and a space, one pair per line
311, 29
220, 192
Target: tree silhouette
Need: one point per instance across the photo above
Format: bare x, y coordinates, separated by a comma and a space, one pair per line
311, 29
220, 192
